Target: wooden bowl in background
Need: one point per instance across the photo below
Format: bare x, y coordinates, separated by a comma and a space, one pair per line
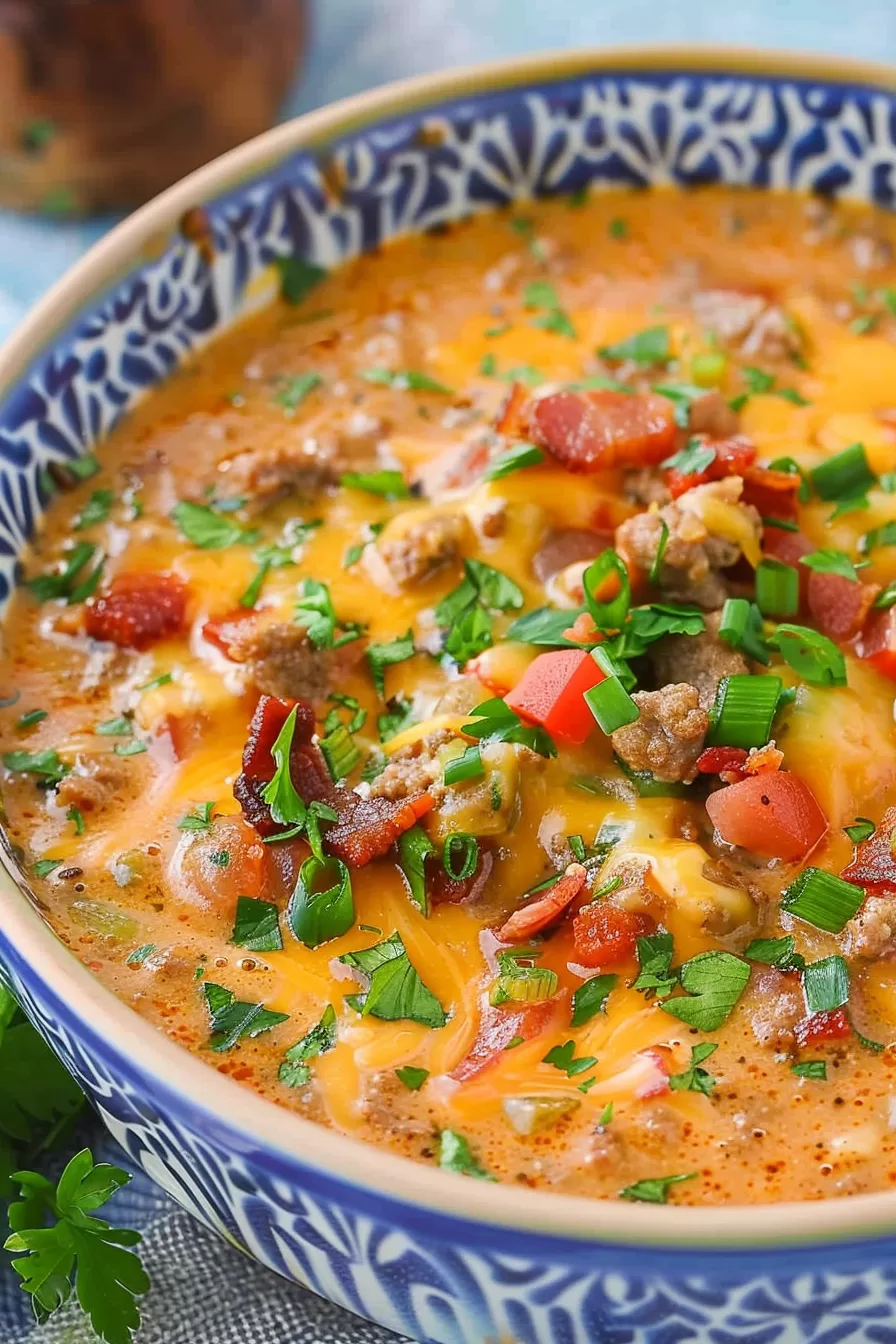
105, 102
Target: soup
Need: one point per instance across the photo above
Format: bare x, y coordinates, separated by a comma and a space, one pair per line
458, 705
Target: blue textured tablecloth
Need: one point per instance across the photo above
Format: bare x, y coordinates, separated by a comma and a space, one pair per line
204, 1292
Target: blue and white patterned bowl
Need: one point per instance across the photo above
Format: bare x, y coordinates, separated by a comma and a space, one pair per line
435, 1256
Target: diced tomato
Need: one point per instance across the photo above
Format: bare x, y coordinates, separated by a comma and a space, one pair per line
818, 1028
590, 431
199, 875
722, 760
552, 691
874, 864
497, 1028
510, 421
228, 633
837, 606
732, 458
138, 610
545, 908
877, 643
604, 934
773, 493
775, 815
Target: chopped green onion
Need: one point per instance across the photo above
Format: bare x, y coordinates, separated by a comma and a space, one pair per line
826, 984
466, 847
317, 916
609, 615
861, 829
744, 711
414, 848
611, 705
33, 716
844, 475
793, 468
741, 627
823, 900
708, 369
340, 752
777, 588
613, 668
467, 766
888, 597
519, 456
878, 536
518, 983
811, 1068
656, 567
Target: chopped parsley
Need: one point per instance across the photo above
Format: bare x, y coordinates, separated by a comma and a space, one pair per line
591, 998
78, 578
207, 528
295, 1070
292, 391
407, 380
395, 991
563, 1057
383, 655
315, 611
455, 1154
96, 510
541, 295
256, 925
694, 1078
713, 981
232, 1020
651, 346
412, 1078
655, 1189
200, 819
297, 278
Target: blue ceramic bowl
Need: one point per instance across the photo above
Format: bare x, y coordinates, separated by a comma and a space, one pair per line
435, 1256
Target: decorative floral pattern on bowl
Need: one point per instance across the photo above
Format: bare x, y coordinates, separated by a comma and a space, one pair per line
435, 1276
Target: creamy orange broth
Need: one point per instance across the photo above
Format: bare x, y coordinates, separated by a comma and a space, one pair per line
443, 304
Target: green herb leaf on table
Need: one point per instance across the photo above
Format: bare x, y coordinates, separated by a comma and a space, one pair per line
62, 1246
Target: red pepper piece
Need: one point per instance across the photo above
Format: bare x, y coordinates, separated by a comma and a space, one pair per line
818, 1028
497, 1028
138, 610
547, 907
590, 431
732, 458
605, 934
874, 863
552, 691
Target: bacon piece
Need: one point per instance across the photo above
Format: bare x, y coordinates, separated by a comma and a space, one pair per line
773, 493
874, 863
590, 431
497, 1028
546, 907
366, 828
732, 458
837, 606
138, 610
818, 1028
604, 934
228, 633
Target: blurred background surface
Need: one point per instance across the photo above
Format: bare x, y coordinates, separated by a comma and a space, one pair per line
355, 44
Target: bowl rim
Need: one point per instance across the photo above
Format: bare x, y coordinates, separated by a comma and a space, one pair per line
211, 1096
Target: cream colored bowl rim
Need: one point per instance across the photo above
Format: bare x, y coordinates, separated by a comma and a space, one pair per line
201, 1089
